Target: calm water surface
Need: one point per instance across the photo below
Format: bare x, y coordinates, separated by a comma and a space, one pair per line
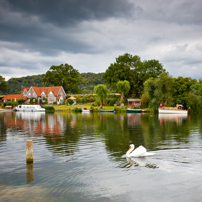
81, 157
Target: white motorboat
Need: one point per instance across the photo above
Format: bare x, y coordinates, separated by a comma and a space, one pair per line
86, 110
29, 108
179, 109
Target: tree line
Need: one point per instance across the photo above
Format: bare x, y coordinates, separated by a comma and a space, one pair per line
16, 85
128, 75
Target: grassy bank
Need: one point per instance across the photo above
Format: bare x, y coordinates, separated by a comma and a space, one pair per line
70, 108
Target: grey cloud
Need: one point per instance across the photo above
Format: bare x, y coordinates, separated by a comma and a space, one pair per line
45, 25
181, 12
62, 12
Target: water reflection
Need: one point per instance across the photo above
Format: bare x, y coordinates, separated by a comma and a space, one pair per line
141, 162
37, 123
133, 119
29, 173
177, 118
36, 116
79, 157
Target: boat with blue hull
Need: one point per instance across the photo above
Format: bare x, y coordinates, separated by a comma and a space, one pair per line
109, 111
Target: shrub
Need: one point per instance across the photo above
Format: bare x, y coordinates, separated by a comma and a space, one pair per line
77, 109
44, 101
33, 100
20, 101
49, 109
70, 102
11, 103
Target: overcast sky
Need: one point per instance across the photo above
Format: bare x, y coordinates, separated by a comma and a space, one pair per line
90, 34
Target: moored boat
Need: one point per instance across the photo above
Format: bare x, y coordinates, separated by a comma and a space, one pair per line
179, 109
7, 109
86, 110
29, 108
133, 110
110, 111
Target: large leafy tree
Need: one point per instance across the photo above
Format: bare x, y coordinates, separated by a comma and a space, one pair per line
101, 91
63, 75
132, 69
182, 88
159, 90
123, 87
3, 85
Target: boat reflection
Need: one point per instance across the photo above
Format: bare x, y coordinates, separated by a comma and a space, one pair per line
37, 123
133, 119
30, 115
178, 118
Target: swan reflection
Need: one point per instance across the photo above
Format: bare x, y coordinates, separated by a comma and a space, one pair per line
134, 161
140, 162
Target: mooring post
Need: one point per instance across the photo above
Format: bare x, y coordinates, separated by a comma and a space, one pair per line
29, 151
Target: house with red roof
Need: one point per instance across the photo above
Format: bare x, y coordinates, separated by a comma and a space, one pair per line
54, 94
13, 97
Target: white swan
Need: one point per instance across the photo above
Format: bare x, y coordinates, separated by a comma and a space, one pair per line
138, 152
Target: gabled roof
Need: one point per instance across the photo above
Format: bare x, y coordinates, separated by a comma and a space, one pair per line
14, 96
54, 89
24, 90
134, 100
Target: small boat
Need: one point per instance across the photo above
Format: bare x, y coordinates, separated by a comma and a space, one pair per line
86, 110
133, 110
7, 109
29, 108
110, 111
179, 109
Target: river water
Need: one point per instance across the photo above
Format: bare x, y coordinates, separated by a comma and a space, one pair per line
81, 157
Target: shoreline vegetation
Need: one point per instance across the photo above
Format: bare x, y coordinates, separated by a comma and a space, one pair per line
128, 76
78, 108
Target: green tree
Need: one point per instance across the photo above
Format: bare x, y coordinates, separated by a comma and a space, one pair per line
101, 91
3, 85
200, 94
182, 88
69, 102
123, 87
132, 69
159, 90
63, 75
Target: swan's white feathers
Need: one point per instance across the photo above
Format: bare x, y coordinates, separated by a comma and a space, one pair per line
138, 152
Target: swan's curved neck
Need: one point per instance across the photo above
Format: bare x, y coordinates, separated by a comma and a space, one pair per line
129, 151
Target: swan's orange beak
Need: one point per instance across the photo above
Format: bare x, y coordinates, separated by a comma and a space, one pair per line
129, 147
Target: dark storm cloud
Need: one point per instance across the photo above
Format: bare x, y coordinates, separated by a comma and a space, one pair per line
89, 34
45, 25
62, 12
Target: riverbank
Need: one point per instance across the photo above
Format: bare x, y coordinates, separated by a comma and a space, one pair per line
70, 108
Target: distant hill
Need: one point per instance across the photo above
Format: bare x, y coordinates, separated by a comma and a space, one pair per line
16, 85
90, 80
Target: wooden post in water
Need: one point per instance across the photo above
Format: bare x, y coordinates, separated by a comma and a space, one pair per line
29, 151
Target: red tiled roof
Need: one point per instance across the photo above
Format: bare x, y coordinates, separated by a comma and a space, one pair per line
14, 96
54, 89
24, 90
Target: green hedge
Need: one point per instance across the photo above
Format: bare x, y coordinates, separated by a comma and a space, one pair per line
49, 109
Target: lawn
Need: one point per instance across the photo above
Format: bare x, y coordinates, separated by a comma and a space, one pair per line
87, 106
